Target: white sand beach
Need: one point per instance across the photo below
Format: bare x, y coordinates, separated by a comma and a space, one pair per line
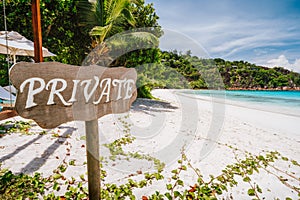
204, 127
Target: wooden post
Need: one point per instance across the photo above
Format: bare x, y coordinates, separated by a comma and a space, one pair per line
37, 30
93, 164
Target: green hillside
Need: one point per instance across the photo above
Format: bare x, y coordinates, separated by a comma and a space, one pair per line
235, 74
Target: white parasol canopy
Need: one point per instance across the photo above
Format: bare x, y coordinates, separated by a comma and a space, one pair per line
6, 95
18, 45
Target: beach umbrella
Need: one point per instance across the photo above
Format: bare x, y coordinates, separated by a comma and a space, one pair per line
11, 89
18, 45
6, 95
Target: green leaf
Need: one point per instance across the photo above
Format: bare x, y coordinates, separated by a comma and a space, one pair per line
62, 168
168, 195
284, 158
82, 177
177, 194
261, 157
99, 30
169, 186
158, 176
247, 179
251, 192
223, 187
295, 162
258, 189
180, 182
56, 186
72, 162
56, 176
183, 167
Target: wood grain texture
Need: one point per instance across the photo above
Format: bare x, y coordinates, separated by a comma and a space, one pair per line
50, 116
7, 114
93, 155
37, 30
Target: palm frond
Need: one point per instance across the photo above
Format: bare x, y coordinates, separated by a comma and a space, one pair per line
118, 8
129, 17
99, 30
100, 13
132, 40
108, 16
146, 37
89, 13
108, 4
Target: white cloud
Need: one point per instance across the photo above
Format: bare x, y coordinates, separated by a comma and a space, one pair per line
296, 67
236, 31
231, 36
282, 61
234, 37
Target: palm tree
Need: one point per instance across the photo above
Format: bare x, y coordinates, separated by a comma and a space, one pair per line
106, 17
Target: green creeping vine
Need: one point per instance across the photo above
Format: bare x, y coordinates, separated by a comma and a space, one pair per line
217, 185
15, 127
117, 151
22, 127
20, 186
35, 187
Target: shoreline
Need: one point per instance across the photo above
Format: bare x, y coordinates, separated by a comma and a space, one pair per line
266, 89
159, 128
243, 104
253, 89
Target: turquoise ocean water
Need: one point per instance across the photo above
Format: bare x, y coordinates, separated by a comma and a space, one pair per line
287, 102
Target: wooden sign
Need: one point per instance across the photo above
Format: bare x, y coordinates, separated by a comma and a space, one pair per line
52, 93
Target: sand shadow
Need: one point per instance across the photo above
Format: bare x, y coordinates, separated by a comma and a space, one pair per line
149, 105
38, 162
19, 149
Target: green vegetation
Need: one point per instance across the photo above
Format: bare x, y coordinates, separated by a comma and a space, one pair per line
60, 30
66, 28
241, 74
23, 127
20, 186
3, 71
62, 24
106, 17
201, 73
72, 28
71, 31
246, 169
12, 127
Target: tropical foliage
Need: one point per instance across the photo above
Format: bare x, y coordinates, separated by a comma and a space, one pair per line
60, 30
65, 35
203, 73
3, 71
106, 17
242, 74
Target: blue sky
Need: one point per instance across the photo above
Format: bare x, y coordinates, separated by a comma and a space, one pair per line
265, 32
